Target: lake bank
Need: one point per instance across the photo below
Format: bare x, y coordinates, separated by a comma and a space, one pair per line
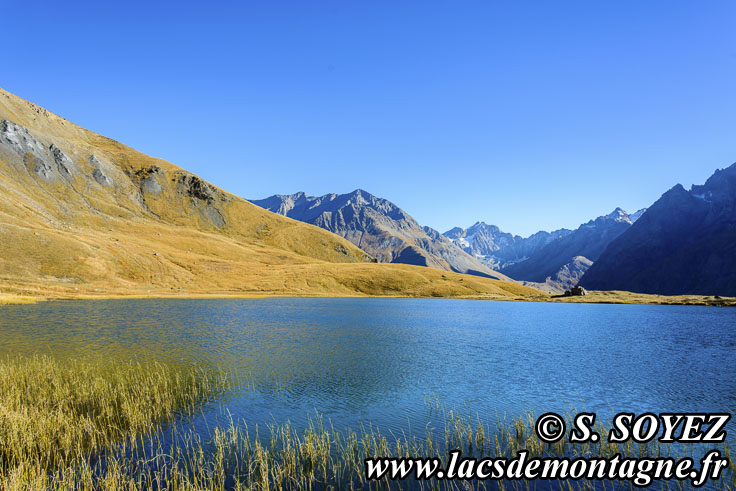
25, 295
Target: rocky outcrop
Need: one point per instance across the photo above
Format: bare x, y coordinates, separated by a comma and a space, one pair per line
64, 164
100, 172
206, 197
149, 179
576, 291
683, 244
18, 139
129, 188
195, 187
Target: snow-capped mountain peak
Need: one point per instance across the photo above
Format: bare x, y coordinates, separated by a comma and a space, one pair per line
619, 215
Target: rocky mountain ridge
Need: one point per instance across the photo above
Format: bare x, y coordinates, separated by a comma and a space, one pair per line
380, 228
496, 248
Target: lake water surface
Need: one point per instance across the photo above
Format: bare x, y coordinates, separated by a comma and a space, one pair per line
379, 360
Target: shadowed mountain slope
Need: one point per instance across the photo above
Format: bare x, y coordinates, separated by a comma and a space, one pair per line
589, 241
564, 278
551, 261
380, 228
684, 244
84, 214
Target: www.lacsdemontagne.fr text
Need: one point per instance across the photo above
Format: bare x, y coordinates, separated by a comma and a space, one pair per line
641, 471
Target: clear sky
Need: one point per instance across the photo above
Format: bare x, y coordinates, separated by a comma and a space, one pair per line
528, 115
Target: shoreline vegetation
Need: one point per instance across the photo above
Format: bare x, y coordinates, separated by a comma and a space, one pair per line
86, 425
18, 296
55, 414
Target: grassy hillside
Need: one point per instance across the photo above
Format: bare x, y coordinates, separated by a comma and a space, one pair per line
81, 214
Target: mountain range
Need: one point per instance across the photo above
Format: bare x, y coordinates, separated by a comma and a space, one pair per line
499, 249
380, 228
551, 261
81, 214
561, 263
84, 215
684, 244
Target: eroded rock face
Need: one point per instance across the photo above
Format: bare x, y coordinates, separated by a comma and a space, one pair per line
195, 187
206, 197
213, 215
51, 165
47, 164
98, 174
19, 139
39, 167
101, 178
151, 185
64, 165
149, 179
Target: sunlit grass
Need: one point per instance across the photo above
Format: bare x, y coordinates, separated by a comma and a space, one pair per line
90, 425
318, 457
53, 413
6, 299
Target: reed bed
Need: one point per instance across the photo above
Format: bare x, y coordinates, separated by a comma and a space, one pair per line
55, 413
76, 426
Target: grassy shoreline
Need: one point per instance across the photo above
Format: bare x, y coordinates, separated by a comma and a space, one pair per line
54, 413
98, 425
600, 297
19, 299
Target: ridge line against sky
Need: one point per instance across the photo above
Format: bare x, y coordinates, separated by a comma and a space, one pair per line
525, 115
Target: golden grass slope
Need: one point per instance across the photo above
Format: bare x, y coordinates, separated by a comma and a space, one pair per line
184, 199
81, 214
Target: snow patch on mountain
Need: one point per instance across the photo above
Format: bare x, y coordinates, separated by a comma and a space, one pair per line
635, 216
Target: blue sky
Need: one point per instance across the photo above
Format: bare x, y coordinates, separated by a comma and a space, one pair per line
528, 115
